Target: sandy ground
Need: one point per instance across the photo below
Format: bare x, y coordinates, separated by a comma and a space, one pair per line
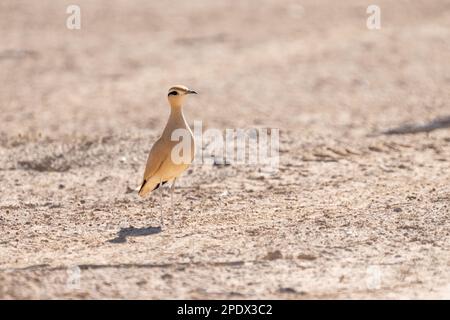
351, 213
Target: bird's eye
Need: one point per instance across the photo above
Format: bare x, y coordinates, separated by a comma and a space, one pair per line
173, 93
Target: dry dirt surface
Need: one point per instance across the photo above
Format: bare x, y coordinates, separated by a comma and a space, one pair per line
352, 212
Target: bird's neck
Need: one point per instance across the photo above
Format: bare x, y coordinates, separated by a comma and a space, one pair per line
176, 113
176, 121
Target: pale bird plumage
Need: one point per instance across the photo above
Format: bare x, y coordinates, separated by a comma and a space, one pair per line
160, 167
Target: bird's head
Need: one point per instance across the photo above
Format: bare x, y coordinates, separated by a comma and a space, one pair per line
177, 95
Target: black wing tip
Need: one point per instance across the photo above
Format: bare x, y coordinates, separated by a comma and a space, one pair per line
156, 187
142, 186
159, 185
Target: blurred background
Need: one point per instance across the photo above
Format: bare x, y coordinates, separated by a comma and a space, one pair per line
351, 213
286, 64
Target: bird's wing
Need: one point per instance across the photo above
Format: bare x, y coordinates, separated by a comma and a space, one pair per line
156, 157
159, 154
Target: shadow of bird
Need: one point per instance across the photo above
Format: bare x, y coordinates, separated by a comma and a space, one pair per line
134, 232
438, 123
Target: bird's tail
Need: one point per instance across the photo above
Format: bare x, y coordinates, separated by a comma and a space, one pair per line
142, 191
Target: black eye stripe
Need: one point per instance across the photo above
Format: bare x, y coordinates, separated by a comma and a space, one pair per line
173, 93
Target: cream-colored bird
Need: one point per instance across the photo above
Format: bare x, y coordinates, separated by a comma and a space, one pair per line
166, 160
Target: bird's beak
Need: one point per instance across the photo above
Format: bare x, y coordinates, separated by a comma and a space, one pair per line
191, 92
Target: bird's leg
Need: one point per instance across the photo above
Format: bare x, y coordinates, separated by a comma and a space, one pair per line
161, 202
172, 188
